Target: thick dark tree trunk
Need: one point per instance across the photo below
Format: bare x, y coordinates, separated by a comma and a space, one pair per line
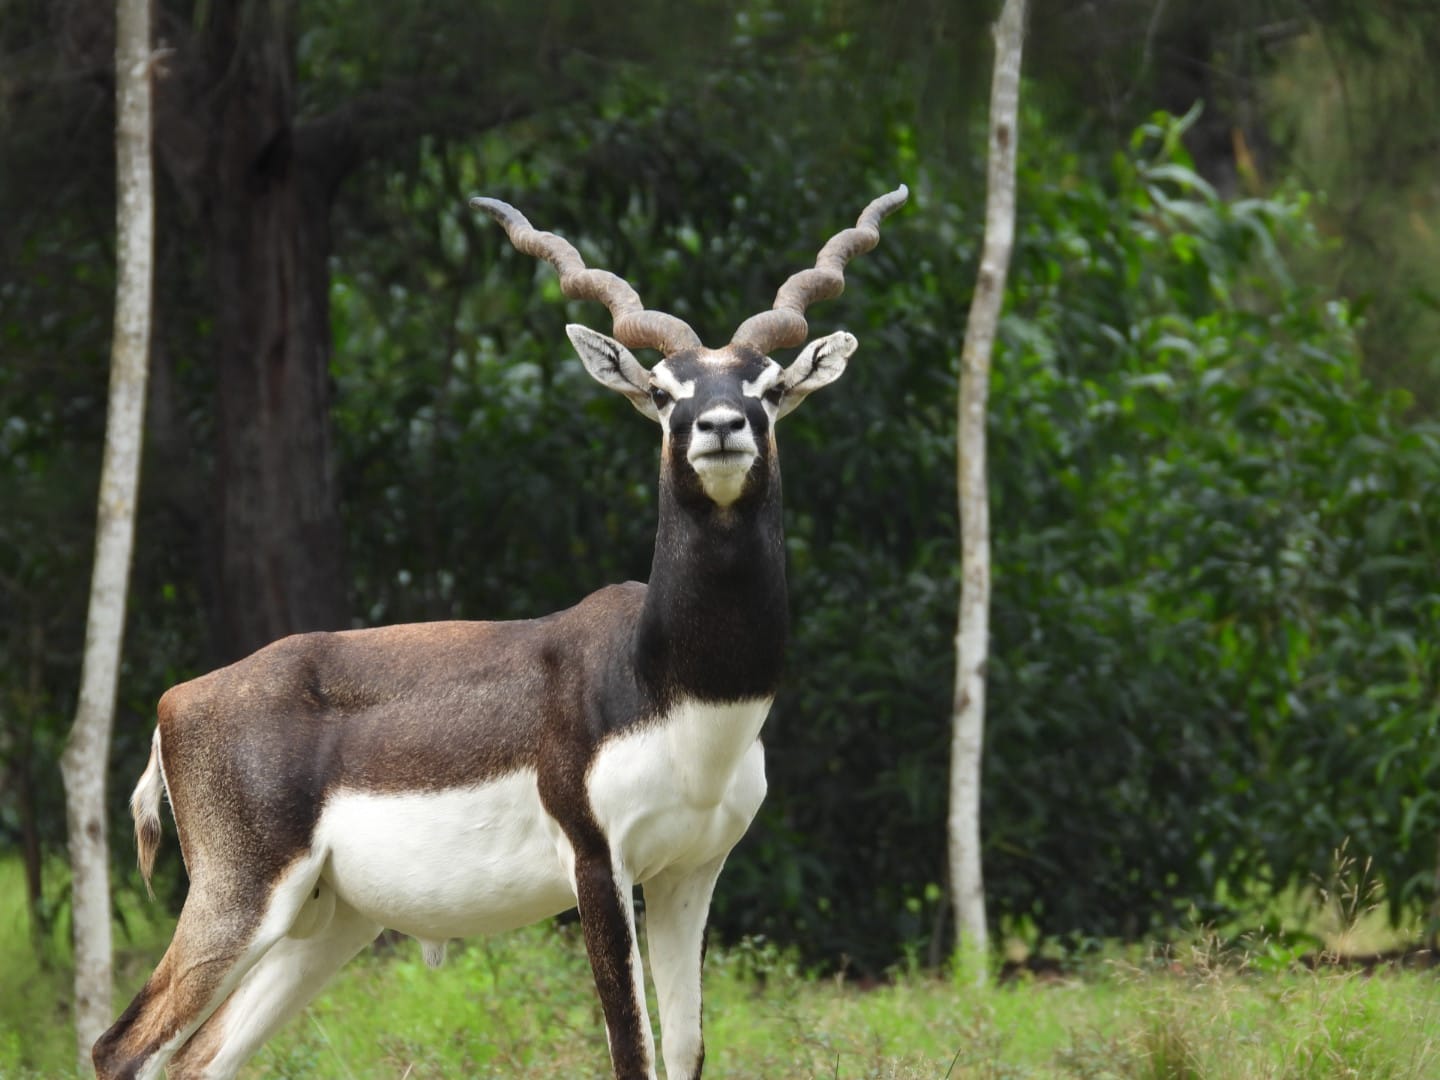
265, 215
260, 182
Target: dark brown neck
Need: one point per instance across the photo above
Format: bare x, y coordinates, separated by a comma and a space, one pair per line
716, 615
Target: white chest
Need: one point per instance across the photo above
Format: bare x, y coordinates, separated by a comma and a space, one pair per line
682, 791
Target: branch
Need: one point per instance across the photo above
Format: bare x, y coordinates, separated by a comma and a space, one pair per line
378, 123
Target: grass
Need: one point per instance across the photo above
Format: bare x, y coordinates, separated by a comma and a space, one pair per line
522, 1005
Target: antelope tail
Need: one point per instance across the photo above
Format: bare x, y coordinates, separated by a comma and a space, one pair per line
145, 808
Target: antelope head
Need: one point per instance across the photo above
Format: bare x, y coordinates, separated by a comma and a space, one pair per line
716, 408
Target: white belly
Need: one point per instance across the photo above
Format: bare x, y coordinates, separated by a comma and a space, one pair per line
682, 791
677, 793
437, 865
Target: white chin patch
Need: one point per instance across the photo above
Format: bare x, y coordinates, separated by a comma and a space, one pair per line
723, 475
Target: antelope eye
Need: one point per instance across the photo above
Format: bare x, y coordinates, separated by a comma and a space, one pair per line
659, 397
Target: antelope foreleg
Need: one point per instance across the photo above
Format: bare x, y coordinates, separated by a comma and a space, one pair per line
607, 917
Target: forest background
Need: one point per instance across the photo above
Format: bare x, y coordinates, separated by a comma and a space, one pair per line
1215, 463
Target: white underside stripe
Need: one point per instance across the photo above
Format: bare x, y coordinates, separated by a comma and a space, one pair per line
677, 793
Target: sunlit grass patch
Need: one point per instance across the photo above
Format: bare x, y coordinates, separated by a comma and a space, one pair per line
1198, 1013
523, 1005
34, 1009
516, 1005
36, 1038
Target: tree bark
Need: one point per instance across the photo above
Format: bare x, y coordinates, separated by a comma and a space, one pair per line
261, 182
261, 187
967, 888
30, 856
22, 773
267, 226
87, 750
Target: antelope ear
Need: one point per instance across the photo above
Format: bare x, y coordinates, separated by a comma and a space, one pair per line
613, 365
819, 364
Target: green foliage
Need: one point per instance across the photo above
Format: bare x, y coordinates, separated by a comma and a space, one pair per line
1200, 630
1354, 108
1215, 598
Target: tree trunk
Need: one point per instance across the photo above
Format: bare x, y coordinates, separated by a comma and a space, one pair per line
967, 888
280, 558
23, 773
87, 749
261, 183
30, 854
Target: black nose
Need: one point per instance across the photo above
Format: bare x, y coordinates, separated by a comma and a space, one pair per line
724, 426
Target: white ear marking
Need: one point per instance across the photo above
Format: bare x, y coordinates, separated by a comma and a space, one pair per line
819, 364
614, 366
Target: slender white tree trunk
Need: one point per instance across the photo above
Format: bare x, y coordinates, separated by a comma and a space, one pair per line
87, 750
972, 644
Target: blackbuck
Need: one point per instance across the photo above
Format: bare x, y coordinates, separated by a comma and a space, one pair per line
457, 778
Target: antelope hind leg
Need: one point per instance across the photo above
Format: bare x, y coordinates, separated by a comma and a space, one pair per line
280, 984
223, 931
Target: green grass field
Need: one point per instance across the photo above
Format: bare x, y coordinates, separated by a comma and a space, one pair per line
522, 1006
